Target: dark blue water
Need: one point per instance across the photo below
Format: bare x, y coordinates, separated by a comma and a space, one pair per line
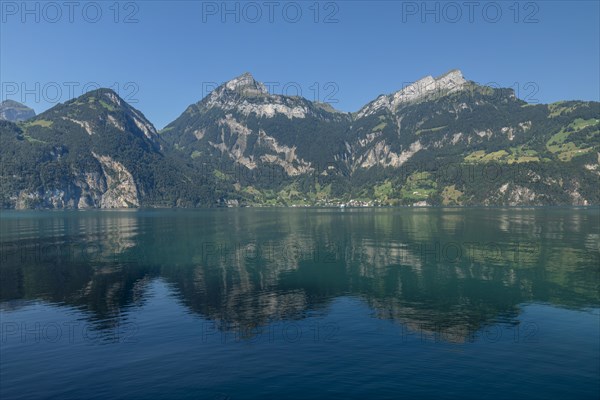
306, 303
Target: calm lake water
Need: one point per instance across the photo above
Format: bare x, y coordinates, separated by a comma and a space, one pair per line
301, 303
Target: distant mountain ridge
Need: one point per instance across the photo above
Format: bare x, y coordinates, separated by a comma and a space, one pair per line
14, 111
438, 141
449, 82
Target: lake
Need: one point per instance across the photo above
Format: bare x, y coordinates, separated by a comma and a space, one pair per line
309, 303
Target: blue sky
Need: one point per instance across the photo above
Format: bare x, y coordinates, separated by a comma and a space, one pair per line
162, 56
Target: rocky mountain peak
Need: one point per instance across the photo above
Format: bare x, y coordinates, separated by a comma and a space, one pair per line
14, 111
236, 91
245, 85
245, 95
451, 81
105, 94
96, 109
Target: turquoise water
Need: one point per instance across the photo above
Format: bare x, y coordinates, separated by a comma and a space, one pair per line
301, 303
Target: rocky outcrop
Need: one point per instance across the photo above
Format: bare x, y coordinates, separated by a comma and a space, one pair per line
114, 187
380, 154
520, 195
283, 156
121, 189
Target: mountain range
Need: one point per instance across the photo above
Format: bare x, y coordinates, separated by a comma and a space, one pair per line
439, 141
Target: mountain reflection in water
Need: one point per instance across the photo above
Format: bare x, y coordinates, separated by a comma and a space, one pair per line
452, 270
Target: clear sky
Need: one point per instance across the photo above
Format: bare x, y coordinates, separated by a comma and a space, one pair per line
164, 55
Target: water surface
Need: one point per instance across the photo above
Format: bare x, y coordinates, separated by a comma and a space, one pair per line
300, 303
